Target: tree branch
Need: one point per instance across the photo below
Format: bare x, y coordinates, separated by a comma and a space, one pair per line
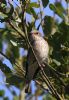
18, 30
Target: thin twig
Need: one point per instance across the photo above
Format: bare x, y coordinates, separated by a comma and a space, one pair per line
5, 56
40, 24
16, 4
38, 83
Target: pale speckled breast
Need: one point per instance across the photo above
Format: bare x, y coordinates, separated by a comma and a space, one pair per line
41, 49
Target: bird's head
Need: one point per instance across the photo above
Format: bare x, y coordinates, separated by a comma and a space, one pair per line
34, 35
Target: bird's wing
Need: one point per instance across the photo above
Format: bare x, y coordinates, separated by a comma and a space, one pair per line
31, 66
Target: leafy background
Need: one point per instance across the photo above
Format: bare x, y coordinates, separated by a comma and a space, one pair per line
18, 18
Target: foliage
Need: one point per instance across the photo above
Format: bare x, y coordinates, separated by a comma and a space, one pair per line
15, 34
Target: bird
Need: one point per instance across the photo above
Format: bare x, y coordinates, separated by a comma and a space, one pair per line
41, 50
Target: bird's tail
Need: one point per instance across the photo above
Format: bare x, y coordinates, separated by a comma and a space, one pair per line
27, 88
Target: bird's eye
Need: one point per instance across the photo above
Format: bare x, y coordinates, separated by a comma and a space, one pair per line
37, 33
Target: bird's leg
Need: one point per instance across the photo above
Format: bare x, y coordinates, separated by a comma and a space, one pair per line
27, 89
43, 65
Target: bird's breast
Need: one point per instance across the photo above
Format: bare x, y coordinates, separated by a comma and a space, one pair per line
41, 49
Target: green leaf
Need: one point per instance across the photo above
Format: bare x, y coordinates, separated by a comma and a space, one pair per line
57, 10
47, 26
14, 80
3, 5
11, 10
16, 98
67, 1
2, 93
32, 12
12, 52
45, 2
3, 1
5, 69
56, 62
64, 29
15, 39
8, 15
5, 98
15, 52
52, 7
30, 26
33, 4
48, 97
59, 6
2, 15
